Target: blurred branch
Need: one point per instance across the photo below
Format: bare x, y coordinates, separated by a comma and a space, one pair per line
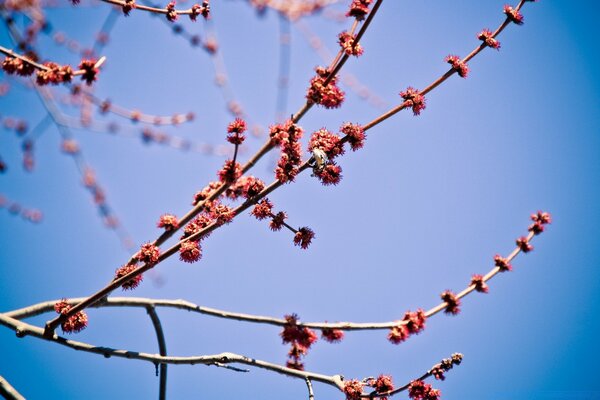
9, 392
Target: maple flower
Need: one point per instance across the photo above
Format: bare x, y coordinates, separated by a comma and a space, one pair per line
356, 135
222, 214
196, 225
358, 9
75, 323
230, 171
353, 389
458, 65
148, 254
128, 6
125, 270
382, 384
540, 219
236, 131
277, 221
479, 283
89, 71
168, 222
414, 323
513, 15
486, 36
413, 99
304, 237
328, 96
419, 390
452, 302
502, 263
331, 174
263, 209
332, 335
204, 193
348, 43
190, 251
171, 12
329, 142
523, 244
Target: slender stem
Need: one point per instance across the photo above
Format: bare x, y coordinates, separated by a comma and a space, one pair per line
162, 348
311, 395
23, 329
7, 391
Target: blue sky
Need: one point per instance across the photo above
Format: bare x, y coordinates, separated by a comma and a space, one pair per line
424, 205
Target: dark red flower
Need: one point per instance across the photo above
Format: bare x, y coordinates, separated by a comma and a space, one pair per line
263, 209
347, 43
382, 384
148, 254
230, 172
168, 222
419, 390
513, 15
458, 65
222, 214
332, 335
353, 389
90, 71
125, 270
542, 217
277, 221
486, 36
356, 135
328, 96
171, 12
331, 174
196, 225
204, 193
75, 323
303, 237
479, 283
190, 251
359, 9
412, 98
236, 131
329, 142
128, 6
523, 244
452, 302
412, 323
502, 263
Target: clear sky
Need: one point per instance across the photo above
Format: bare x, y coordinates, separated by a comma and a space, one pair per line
426, 204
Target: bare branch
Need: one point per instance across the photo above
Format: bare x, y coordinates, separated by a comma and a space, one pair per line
162, 348
8, 391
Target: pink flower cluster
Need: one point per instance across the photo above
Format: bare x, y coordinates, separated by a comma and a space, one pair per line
359, 9
301, 339
412, 323
419, 390
75, 323
327, 95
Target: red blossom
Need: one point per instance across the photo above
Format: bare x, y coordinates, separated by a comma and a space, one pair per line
486, 36
347, 43
230, 172
204, 193
513, 15
75, 323
523, 244
502, 263
358, 9
304, 237
90, 71
382, 384
301, 339
355, 134
196, 225
236, 131
419, 390
452, 302
190, 251
222, 214
458, 65
291, 154
148, 254
126, 270
246, 186
542, 217
263, 209
329, 96
331, 174
353, 389
168, 222
332, 335
479, 283
415, 100
128, 6
171, 12
329, 142
412, 323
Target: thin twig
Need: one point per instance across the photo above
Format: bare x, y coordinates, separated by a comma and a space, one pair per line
311, 395
162, 348
8, 391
